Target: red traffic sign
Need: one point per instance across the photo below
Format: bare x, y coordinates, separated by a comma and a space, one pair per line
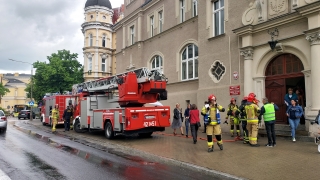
234, 90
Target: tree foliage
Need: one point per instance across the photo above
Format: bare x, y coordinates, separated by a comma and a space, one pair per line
62, 71
3, 90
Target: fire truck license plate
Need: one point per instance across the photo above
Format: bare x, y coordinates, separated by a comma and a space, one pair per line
149, 123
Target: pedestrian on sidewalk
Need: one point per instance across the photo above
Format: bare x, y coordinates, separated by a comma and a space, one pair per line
187, 119
268, 110
194, 122
204, 117
66, 117
294, 113
234, 120
55, 115
177, 120
213, 126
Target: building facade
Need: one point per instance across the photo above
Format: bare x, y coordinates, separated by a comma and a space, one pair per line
17, 84
99, 40
211, 46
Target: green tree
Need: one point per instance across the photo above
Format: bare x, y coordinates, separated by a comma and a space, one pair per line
3, 91
62, 71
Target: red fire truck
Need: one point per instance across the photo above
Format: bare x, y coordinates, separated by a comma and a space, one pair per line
116, 104
49, 101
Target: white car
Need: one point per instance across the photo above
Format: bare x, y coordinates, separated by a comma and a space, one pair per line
3, 121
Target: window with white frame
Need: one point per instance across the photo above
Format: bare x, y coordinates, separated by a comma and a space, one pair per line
132, 35
189, 62
90, 64
160, 15
218, 17
156, 63
104, 39
182, 11
103, 65
195, 8
90, 40
151, 26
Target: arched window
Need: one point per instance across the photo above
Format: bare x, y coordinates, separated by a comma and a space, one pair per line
189, 62
156, 63
104, 40
284, 64
90, 40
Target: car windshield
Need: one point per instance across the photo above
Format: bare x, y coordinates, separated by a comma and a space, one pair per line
1, 113
24, 111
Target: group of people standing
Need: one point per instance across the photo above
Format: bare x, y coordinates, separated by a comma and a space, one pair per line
249, 115
67, 116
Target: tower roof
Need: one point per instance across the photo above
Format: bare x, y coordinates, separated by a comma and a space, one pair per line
105, 3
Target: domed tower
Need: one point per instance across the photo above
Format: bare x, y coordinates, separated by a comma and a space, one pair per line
98, 46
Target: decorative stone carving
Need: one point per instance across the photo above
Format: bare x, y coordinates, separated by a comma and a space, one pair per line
247, 53
279, 48
259, 8
217, 71
104, 56
314, 38
256, 13
294, 3
277, 6
310, 1
131, 66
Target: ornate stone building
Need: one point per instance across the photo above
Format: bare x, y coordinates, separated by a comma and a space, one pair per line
210, 46
99, 40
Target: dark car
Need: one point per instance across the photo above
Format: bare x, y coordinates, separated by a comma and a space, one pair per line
25, 114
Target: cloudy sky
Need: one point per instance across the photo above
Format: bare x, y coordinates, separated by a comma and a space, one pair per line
30, 30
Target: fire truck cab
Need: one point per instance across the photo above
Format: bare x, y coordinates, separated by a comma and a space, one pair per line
116, 104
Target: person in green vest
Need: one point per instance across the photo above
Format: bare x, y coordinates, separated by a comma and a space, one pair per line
268, 111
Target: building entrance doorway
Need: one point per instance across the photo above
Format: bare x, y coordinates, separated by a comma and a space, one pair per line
283, 72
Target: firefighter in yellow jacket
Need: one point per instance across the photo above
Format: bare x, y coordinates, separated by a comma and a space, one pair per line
252, 113
234, 120
55, 116
212, 110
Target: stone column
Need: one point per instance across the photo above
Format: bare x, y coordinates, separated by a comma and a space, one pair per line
247, 53
314, 39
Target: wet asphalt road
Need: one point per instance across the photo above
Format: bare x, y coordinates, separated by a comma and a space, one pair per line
25, 157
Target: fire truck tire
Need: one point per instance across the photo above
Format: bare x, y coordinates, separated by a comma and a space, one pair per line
108, 131
76, 127
145, 135
50, 123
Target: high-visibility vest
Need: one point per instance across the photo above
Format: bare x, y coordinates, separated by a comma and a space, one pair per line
270, 113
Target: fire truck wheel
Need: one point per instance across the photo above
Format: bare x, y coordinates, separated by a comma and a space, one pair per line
145, 135
108, 131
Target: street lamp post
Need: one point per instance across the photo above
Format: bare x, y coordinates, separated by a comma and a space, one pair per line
31, 112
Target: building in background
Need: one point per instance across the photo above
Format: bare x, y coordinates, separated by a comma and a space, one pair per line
17, 84
211, 46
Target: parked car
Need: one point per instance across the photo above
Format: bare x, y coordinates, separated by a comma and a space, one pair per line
3, 121
25, 114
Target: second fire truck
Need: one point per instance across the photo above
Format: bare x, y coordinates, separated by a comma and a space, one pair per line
116, 104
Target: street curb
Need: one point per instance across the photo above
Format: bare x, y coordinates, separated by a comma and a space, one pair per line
126, 150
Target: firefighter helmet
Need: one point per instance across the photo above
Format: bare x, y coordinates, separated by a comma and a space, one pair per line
252, 94
212, 97
232, 99
250, 99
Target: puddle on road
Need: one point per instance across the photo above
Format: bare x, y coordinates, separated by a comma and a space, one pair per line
40, 166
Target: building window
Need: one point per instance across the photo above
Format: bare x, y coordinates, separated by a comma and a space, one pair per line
103, 65
90, 64
104, 41
182, 11
157, 63
104, 17
151, 26
132, 35
195, 8
90, 39
218, 17
189, 62
160, 14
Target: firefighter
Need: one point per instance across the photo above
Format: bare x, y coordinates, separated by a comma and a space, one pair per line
252, 113
71, 118
234, 120
66, 117
243, 119
255, 101
213, 126
55, 117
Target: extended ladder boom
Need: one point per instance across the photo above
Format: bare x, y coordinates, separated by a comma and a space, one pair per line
111, 83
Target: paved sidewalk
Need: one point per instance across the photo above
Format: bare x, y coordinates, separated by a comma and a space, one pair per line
287, 160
